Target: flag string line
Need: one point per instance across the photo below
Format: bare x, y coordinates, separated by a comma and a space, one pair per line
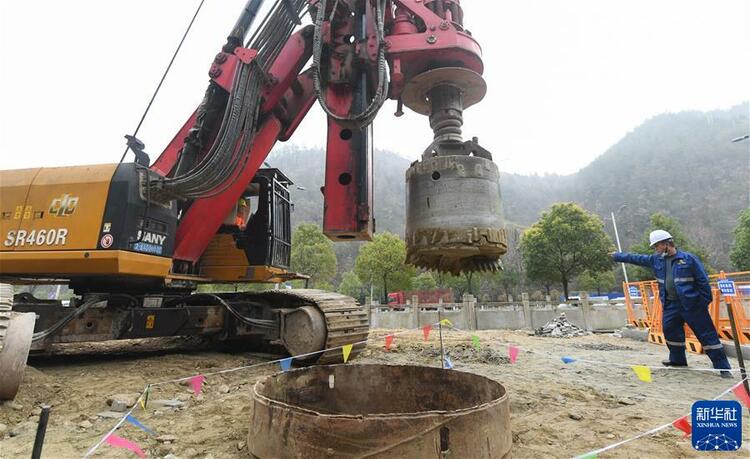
273, 362
229, 370
365, 341
119, 423
603, 363
595, 452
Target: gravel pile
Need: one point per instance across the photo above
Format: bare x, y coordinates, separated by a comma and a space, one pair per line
560, 328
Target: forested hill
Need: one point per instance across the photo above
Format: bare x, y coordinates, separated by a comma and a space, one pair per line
305, 167
681, 164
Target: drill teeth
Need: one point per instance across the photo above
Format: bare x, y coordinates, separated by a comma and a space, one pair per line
456, 267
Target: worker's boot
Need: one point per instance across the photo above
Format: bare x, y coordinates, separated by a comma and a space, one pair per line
726, 374
669, 363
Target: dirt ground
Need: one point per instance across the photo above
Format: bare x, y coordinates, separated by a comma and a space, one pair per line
557, 410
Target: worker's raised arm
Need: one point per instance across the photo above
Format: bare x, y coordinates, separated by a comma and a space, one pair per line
633, 259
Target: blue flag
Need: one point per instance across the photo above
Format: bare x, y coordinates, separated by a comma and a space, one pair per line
286, 363
448, 363
568, 359
138, 424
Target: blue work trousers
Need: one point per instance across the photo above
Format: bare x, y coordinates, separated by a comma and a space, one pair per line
674, 317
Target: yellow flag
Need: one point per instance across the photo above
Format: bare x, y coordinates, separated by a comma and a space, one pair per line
346, 350
446, 322
144, 398
643, 373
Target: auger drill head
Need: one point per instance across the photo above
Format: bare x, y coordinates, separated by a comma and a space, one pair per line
453, 211
453, 214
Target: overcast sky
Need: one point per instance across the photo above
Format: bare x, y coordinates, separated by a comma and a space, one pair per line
566, 79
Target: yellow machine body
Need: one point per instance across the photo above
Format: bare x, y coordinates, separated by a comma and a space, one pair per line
80, 222
50, 222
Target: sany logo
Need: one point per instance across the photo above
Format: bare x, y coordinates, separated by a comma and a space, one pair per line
151, 238
64, 205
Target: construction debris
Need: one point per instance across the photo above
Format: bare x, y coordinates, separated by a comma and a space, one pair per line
85, 424
560, 328
127, 400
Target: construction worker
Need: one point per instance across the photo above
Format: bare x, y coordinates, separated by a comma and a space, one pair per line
240, 218
685, 293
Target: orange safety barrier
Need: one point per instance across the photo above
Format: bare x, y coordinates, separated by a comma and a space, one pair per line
655, 331
639, 308
738, 276
646, 311
740, 309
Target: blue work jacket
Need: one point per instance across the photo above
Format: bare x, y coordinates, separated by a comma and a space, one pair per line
690, 279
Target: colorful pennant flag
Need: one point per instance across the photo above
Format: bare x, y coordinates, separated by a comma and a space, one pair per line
513, 353
475, 341
286, 364
568, 359
119, 442
346, 349
448, 363
131, 419
589, 456
426, 331
388, 342
446, 322
683, 425
197, 383
144, 400
742, 395
643, 373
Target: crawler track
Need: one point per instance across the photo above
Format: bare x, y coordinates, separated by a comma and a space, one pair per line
346, 321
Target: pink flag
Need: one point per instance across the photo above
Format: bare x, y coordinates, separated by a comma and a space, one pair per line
119, 442
742, 395
388, 342
683, 425
426, 330
197, 383
513, 353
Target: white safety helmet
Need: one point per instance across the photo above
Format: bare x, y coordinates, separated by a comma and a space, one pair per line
658, 236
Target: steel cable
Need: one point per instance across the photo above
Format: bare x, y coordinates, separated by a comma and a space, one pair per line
381, 93
219, 168
158, 87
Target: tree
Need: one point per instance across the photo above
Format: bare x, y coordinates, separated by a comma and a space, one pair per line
740, 254
325, 285
505, 282
603, 280
351, 285
312, 254
424, 281
382, 262
461, 284
565, 242
661, 221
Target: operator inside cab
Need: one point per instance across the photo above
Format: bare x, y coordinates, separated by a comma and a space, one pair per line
242, 214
